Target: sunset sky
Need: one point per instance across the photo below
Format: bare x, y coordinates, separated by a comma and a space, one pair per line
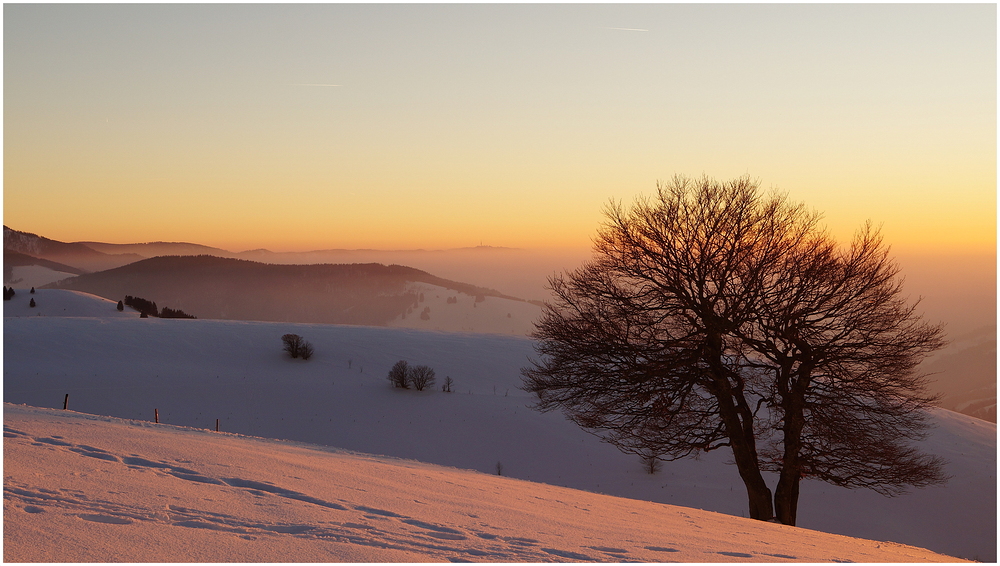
297, 127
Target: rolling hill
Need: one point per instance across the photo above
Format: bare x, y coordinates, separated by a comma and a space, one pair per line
234, 289
26, 271
196, 371
74, 254
958, 289
964, 374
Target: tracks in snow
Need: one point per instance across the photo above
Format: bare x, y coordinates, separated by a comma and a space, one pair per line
351, 522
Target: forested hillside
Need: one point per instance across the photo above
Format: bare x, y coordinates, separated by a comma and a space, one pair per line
233, 289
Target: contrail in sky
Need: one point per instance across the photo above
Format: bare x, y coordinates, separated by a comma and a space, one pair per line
312, 84
628, 29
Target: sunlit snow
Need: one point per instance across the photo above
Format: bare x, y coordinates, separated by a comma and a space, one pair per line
82, 488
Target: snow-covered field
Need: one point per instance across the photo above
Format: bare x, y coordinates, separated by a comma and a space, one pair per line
79, 488
197, 371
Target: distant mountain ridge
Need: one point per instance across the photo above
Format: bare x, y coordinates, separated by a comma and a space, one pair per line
35, 245
330, 295
153, 249
366, 250
74, 254
98, 256
237, 289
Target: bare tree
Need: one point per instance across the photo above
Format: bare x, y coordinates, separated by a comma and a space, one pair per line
448, 382
843, 345
399, 375
296, 346
421, 377
638, 343
660, 344
651, 463
306, 350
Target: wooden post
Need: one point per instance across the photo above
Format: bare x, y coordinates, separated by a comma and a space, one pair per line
156, 415
216, 425
66, 402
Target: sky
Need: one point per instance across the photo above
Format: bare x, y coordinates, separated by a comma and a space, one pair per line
297, 127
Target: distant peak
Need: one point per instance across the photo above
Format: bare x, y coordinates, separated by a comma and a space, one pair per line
493, 248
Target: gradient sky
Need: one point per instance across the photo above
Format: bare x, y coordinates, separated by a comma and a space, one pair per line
297, 127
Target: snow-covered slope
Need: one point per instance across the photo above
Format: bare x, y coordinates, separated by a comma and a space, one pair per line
79, 488
53, 303
446, 310
29, 276
964, 373
197, 371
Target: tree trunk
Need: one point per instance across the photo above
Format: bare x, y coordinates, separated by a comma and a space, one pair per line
786, 494
744, 446
758, 494
738, 420
745, 455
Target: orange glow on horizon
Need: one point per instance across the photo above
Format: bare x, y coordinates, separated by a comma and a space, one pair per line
448, 135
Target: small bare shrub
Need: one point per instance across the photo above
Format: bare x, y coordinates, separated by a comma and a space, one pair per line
296, 346
651, 463
306, 350
421, 377
399, 375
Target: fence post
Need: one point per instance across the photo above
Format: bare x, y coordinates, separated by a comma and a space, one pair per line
66, 402
156, 416
216, 425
